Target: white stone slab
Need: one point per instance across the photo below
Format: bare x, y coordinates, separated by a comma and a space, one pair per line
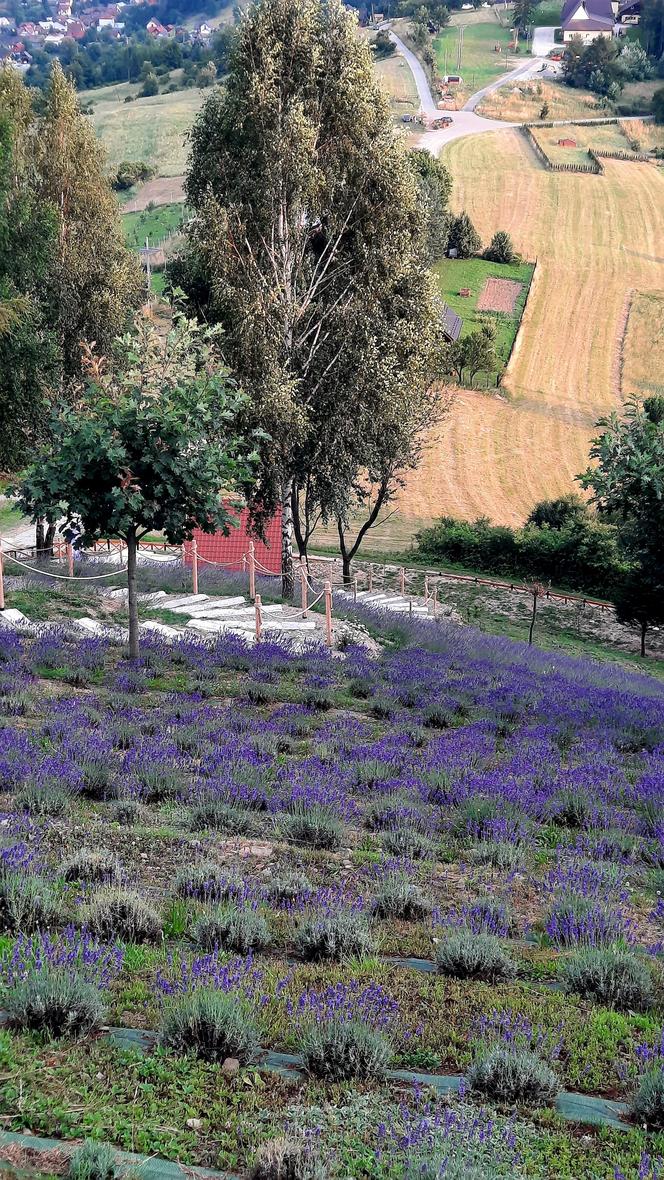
160, 629
91, 625
172, 600
203, 609
10, 616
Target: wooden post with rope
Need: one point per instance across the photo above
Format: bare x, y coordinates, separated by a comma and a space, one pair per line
355, 588
257, 607
370, 578
402, 580
252, 572
194, 566
70, 559
426, 589
435, 599
328, 614
2, 584
304, 588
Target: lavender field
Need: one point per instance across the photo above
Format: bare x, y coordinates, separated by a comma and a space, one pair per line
297, 915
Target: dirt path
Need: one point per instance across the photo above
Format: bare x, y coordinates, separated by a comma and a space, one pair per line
164, 190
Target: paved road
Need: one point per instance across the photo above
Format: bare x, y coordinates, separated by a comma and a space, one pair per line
526, 70
465, 122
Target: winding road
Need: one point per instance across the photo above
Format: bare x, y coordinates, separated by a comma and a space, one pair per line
465, 121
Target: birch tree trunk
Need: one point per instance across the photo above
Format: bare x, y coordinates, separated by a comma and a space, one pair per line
133, 600
287, 572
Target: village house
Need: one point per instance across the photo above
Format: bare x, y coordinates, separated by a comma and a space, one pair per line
588, 19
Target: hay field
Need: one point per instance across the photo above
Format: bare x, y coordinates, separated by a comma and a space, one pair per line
597, 239
643, 351
150, 129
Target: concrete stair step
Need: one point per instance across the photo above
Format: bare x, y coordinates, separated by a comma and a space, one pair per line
174, 600
202, 609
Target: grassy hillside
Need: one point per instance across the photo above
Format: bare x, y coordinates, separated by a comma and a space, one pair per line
150, 129
643, 353
471, 273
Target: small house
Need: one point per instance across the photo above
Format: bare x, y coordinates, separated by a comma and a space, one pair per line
588, 19
567, 143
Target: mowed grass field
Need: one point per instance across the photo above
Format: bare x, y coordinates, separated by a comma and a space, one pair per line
596, 240
151, 224
607, 138
522, 102
479, 32
150, 129
643, 353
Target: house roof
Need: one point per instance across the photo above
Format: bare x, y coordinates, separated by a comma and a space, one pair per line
598, 14
451, 322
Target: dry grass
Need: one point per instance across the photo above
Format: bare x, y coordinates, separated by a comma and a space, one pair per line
607, 137
395, 76
522, 102
646, 135
596, 239
150, 129
643, 356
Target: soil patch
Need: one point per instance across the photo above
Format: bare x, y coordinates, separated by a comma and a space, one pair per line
499, 295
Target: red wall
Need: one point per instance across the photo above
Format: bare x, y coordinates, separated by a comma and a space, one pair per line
230, 549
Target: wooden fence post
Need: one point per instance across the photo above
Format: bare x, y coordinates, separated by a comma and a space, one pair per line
304, 588
70, 559
252, 571
370, 579
426, 589
257, 607
435, 599
2, 585
328, 614
355, 588
402, 580
194, 566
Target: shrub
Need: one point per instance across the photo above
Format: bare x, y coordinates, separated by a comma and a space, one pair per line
647, 1105
206, 881
407, 841
317, 826
343, 935
497, 853
397, 897
54, 1001
27, 904
613, 977
233, 928
127, 812
288, 887
513, 1075
574, 919
464, 238
43, 799
222, 817
501, 248
92, 1161
88, 864
121, 913
290, 1158
474, 956
210, 1024
570, 809
342, 1049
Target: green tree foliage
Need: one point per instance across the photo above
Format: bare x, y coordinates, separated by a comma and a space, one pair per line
131, 172
28, 351
652, 27
150, 86
382, 45
435, 185
150, 445
474, 353
93, 283
560, 513
306, 246
582, 555
658, 105
523, 15
501, 248
464, 238
627, 482
595, 66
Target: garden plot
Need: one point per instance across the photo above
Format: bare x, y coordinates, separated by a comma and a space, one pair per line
315, 892
499, 295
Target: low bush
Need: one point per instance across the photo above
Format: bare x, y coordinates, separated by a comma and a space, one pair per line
497, 853
315, 825
54, 1001
343, 1049
232, 928
288, 887
409, 842
207, 881
570, 809
27, 904
344, 935
612, 977
127, 812
90, 865
221, 817
290, 1158
210, 1025
121, 913
574, 920
92, 1161
43, 799
398, 897
647, 1105
474, 956
513, 1075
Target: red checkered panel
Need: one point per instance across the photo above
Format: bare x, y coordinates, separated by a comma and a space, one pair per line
231, 549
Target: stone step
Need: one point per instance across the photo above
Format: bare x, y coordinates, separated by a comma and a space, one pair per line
215, 627
289, 625
202, 609
173, 600
160, 629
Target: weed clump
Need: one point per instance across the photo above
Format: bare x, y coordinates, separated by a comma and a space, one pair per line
647, 1105
343, 1049
121, 913
221, 817
513, 1075
613, 977
210, 1025
397, 897
475, 956
55, 1002
27, 904
289, 1158
90, 865
127, 812
315, 825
